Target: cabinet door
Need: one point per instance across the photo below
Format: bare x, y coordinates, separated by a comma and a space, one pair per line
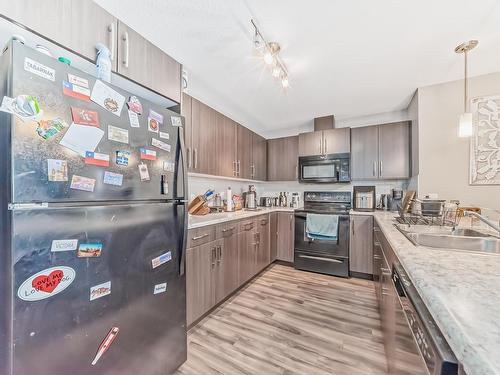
144, 63
200, 296
247, 252
259, 158
203, 138
285, 236
361, 244
226, 130
311, 143
394, 150
227, 265
188, 128
273, 236
336, 141
244, 151
263, 255
282, 159
364, 153
77, 25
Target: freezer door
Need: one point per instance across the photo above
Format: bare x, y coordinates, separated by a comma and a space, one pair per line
132, 160
78, 273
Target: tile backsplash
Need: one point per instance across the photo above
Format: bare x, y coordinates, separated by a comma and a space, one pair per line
200, 184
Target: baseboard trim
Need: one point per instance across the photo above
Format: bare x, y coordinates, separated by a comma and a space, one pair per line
361, 275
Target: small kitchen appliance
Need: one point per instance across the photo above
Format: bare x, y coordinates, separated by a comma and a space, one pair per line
265, 201
395, 199
295, 200
364, 198
251, 198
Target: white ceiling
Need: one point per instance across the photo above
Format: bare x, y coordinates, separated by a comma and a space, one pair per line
349, 58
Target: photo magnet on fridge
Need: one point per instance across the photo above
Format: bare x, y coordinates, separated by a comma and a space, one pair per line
100, 290
49, 128
57, 170
162, 259
82, 183
168, 166
89, 250
143, 172
122, 157
160, 288
155, 119
85, 117
135, 105
133, 119
95, 158
107, 98
46, 283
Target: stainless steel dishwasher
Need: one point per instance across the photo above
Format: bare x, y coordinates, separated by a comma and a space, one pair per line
419, 346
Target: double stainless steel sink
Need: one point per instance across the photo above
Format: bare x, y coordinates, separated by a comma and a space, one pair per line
449, 238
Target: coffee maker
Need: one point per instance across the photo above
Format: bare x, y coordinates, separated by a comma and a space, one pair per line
395, 199
250, 198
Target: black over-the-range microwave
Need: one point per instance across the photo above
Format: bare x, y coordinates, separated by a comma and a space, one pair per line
325, 168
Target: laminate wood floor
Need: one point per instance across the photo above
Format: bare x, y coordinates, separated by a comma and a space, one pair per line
291, 322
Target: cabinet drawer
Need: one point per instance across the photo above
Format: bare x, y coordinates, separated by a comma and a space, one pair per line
262, 220
225, 230
200, 236
247, 225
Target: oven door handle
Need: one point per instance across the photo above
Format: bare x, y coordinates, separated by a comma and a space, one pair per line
331, 260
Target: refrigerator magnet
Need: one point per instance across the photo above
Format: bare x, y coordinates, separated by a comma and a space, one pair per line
160, 288
117, 134
46, 283
49, 128
176, 121
122, 157
164, 135
89, 250
133, 119
100, 290
111, 178
79, 81
134, 104
106, 343
147, 154
143, 172
63, 245
155, 119
39, 69
85, 117
107, 98
161, 145
82, 183
75, 91
162, 259
57, 170
168, 166
95, 158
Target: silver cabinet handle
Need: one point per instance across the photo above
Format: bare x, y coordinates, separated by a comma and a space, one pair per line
112, 41
238, 165
234, 168
199, 237
321, 146
263, 222
188, 156
126, 54
213, 255
325, 148
374, 168
219, 254
381, 169
227, 229
195, 156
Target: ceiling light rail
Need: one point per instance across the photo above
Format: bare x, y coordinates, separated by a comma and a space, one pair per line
270, 53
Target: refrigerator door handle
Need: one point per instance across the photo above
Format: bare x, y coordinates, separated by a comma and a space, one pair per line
182, 163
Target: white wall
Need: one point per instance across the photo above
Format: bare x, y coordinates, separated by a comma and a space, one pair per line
443, 157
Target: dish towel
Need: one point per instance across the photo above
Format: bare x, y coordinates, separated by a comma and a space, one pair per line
322, 227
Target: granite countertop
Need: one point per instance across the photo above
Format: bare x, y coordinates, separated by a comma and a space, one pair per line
461, 291
217, 218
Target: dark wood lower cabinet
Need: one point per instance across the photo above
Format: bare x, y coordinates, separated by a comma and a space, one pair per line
285, 238
232, 254
273, 236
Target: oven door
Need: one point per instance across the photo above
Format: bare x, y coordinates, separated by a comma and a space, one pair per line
338, 248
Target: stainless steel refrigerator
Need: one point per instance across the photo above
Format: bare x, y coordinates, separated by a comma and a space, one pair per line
92, 267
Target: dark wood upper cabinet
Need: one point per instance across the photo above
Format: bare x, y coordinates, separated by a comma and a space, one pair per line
282, 158
381, 151
259, 158
226, 133
244, 151
186, 111
311, 143
337, 141
203, 138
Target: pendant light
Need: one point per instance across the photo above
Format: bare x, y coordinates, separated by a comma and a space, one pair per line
465, 129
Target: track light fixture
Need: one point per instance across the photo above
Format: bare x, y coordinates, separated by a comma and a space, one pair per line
270, 54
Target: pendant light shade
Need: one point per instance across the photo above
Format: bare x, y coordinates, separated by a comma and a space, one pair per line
465, 127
